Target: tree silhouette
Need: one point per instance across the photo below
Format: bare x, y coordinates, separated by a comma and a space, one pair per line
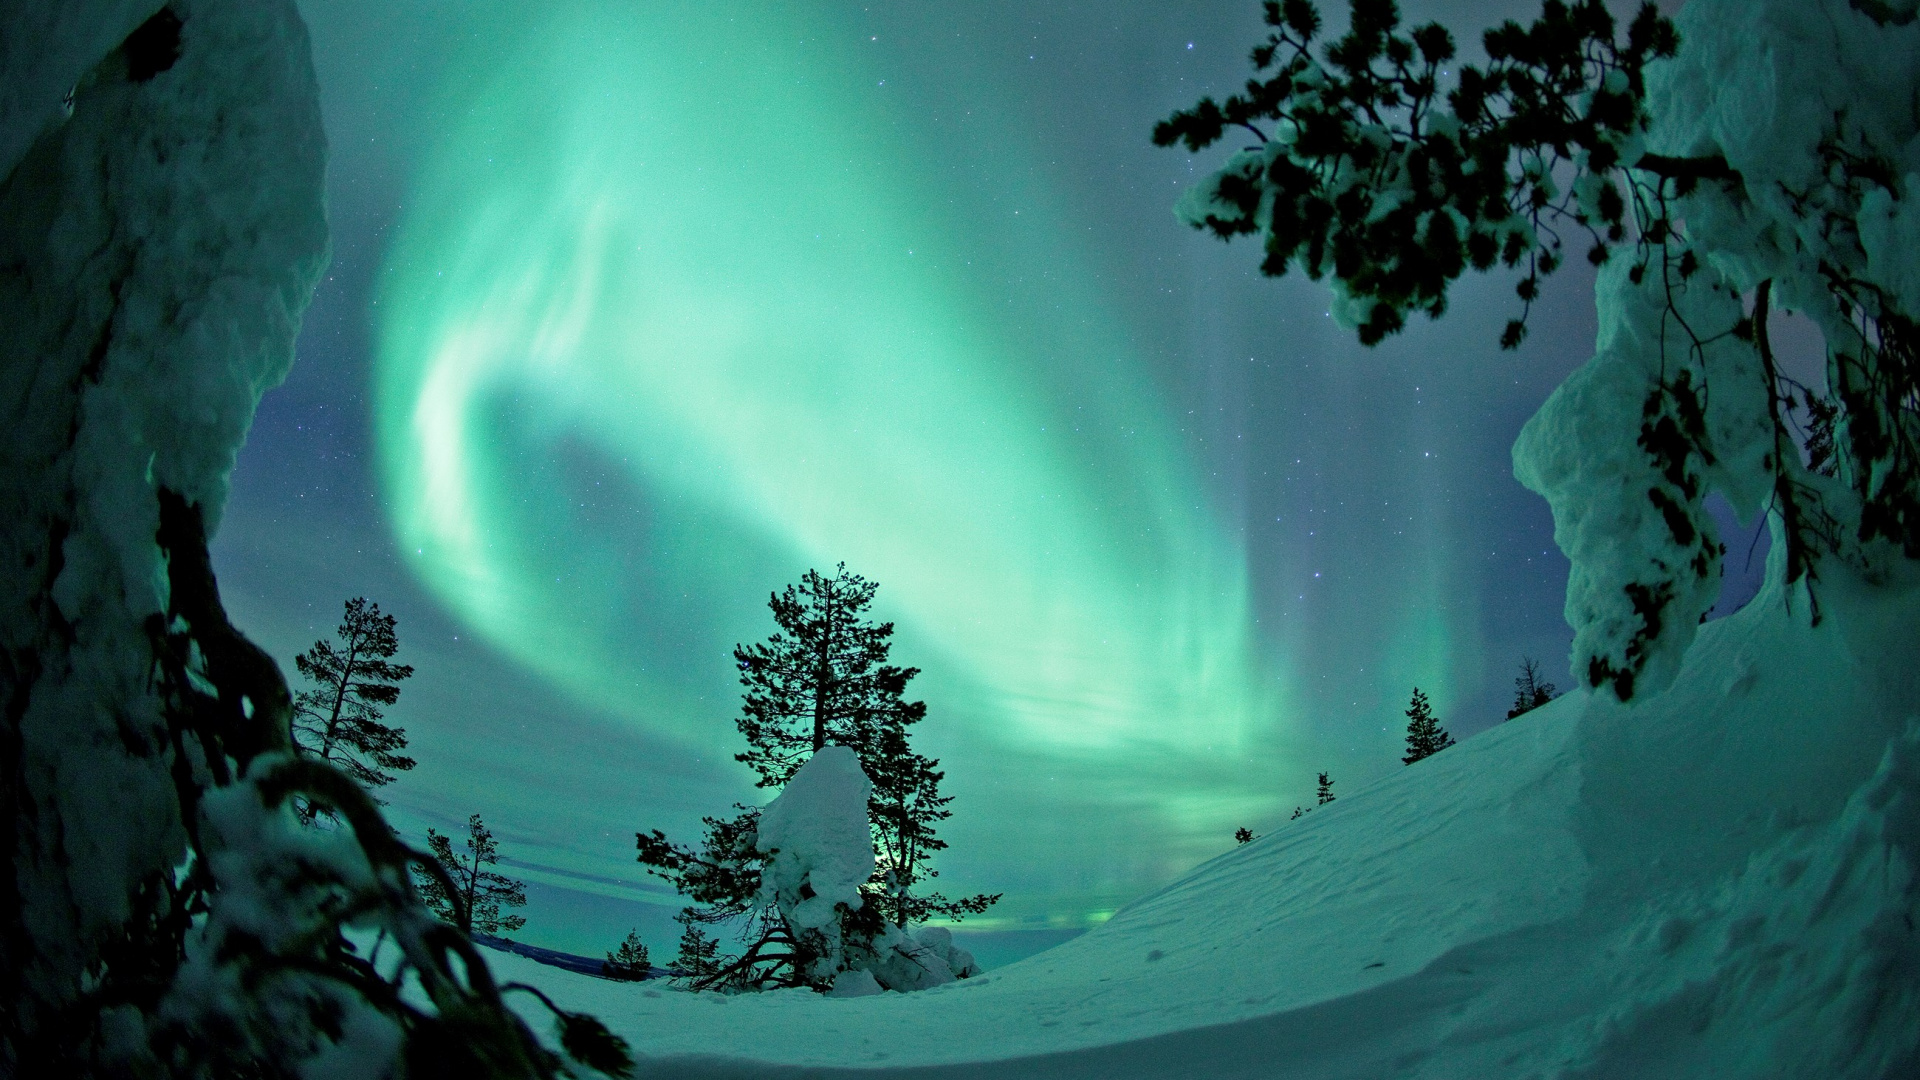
822, 678
1325, 793
1425, 736
628, 963
1529, 690
339, 720
478, 894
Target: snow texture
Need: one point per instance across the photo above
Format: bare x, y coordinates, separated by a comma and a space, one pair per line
1771, 87
821, 845
163, 234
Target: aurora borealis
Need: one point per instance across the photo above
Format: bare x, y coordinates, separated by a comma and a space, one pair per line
639, 311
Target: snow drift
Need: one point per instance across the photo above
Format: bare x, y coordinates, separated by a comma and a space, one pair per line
1720, 880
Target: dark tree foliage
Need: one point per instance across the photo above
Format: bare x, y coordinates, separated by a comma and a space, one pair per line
1244, 835
822, 678
1425, 736
1395, 183
1325, 792
339, 720
1386, 164
472, 896
1529, 690
699, 958
629, 962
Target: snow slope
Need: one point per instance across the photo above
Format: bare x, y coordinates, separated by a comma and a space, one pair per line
1717, 881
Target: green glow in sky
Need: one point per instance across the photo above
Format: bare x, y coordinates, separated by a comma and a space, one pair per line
671, 319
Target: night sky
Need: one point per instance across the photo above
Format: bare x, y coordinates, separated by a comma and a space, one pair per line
637, 312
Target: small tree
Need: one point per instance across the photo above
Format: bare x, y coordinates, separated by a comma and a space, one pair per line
1326, 790
339, 720
1425, 736
478, 894
628, 963
699, 960
1243, 835
1529, 690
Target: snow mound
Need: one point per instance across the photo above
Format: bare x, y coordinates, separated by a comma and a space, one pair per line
822, 845
1719, 879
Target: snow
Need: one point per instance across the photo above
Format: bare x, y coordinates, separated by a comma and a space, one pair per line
822, 845
163, 235
1715, 880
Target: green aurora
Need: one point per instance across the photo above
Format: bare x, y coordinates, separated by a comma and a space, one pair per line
671, 317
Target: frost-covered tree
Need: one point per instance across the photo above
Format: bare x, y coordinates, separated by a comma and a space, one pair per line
163, 911
1748, 157
339, 719
471, 896
629, 962
1530, 691
1425, 736
1324, 794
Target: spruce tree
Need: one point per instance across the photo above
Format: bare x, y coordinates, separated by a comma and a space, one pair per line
478, 894
340, 718
1529, 690
1326, 790
1425, 736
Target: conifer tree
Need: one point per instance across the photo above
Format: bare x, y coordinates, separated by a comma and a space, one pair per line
340, 719
1243, 835
1529, 690
698, 960
628, 963
1326, 790
822, 678
1425, 736
478, 894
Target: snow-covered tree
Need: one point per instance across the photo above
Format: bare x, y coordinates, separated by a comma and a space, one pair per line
1747, 157
471, 897
1425, 736
1324, 793
164, 913
340, 718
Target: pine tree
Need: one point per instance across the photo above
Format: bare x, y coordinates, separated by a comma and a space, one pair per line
1425, 736
1243, 835
699, 959
1529, 690
339, 720
1326, 790
822, 678
478, 894
628, 963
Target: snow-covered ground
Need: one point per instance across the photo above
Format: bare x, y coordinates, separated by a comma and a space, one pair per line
1716, 881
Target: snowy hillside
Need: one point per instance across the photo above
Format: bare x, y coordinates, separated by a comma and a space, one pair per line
1716, 881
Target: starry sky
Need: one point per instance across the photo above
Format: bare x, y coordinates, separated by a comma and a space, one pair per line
638, 311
